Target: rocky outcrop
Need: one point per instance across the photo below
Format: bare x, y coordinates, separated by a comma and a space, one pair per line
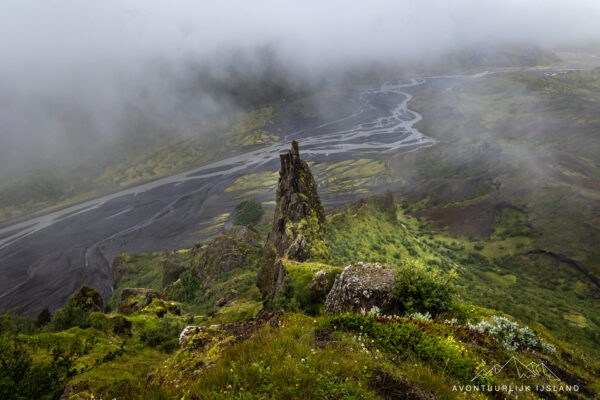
88, 299
232, 249
147, 301
135, 299
198, 336
298, 227
224, 301
171, 272
43, 318
160, 308
362, 286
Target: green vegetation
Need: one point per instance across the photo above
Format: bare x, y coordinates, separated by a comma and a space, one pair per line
305, 353
297, 295
248, 212
143, 271
472, 287
163, 336
494, 272
418, 288
22, 378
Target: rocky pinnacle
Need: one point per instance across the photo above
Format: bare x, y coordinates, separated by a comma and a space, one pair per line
298, 230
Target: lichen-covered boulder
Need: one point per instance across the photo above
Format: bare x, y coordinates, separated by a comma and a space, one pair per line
298, 228
135, 299
362, 286
233, 248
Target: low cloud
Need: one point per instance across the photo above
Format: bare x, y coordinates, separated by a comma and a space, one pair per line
75, 75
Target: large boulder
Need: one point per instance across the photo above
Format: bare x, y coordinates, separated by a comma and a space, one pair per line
298, 228
135, 299
232, 249
362, 286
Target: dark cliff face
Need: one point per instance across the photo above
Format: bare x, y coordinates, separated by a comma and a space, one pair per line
298, 228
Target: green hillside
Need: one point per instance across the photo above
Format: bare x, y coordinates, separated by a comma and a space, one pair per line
305, 352
479, 270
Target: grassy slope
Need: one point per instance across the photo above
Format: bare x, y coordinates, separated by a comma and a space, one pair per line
493, 272
333, 357
321, 356
545, 158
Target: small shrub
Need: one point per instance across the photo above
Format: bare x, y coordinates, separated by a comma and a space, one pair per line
297, 297
188, 288
400, 335
510, 335
23, 377
12, 324
248, 212
165, 335
419, 288
68, 317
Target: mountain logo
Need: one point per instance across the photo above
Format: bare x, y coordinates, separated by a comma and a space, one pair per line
527, 371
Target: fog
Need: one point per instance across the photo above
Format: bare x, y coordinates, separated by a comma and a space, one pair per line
77, 77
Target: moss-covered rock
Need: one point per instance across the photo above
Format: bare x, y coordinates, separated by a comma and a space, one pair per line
120, 325
298, 229
305, 286
161, 307
236, 247
88, 299
135, 299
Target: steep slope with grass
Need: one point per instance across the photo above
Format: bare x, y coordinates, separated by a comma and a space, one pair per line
459, 325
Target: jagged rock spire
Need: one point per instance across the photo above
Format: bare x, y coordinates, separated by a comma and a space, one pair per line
298, 230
